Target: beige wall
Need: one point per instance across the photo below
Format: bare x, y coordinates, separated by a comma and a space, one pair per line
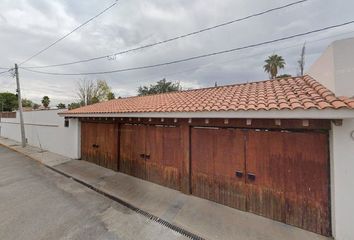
342, 180
323, 69
344, 67
335, 68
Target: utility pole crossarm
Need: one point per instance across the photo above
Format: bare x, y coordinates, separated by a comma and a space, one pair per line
23, 136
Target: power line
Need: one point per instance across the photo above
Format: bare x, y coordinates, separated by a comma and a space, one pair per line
66, 35
242, 58
195, 57
195, 67
5, 71
174, 38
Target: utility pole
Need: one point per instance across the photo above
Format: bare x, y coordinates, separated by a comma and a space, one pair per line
23, 136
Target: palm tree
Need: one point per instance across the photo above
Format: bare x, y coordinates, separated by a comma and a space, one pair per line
45, 101
273, 64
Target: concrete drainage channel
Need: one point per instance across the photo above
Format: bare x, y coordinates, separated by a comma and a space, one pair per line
135, 209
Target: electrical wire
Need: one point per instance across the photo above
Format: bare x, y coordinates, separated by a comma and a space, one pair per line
195, 57
66, 35
239, 59
196, 67
5, 71
174, 38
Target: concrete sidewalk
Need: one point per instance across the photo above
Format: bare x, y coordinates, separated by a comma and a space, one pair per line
201, 217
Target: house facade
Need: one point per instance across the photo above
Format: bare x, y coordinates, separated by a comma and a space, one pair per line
282, 149
262, 147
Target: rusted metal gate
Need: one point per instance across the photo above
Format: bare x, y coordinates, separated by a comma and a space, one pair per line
151, 152
99, 144
277, 174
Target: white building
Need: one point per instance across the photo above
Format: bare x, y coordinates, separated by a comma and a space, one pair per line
335, 70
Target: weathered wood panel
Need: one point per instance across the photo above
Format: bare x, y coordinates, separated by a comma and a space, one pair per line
88, 139
132, 149
276, 174
99, 144
217, 154
153, 153
307, 185
265, 161
164, 152
125, 151
172, 157
185, 166
291, 178
107, 145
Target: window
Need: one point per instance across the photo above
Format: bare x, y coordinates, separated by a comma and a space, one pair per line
66, 123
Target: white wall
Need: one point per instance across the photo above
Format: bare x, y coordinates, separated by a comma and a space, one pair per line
45, 129
344, 67
342, 178
323, 69
335, 68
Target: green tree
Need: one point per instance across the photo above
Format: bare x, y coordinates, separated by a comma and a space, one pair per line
111, 96
27, 103
90, 92
273, 64
45, 101
8, 102
36, 106
94, 100
284, 76
61, 106
161, 86
74, 105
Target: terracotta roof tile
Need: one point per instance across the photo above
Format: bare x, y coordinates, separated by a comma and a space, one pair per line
296, 105
324, 105
350, 103
339, 104
290, 93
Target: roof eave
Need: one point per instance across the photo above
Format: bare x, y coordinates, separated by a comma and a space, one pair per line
260, 114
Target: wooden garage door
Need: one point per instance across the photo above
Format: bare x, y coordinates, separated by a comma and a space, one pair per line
291, 178
217, 154
152, 152
280, 175
99, 144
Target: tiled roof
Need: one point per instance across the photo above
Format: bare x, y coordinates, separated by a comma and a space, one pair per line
278, 94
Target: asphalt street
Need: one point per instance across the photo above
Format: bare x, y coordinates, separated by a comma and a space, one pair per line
37, 203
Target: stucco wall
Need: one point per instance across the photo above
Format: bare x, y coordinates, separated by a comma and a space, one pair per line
323, 69
344, 67
342, 178
45, 129
335, 68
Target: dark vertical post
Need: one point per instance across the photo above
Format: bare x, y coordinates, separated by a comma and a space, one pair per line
185, 165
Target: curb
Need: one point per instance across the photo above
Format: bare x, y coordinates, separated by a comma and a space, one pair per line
148, 215
29, 156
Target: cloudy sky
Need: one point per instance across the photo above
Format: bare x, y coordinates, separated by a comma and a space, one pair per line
27, 26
